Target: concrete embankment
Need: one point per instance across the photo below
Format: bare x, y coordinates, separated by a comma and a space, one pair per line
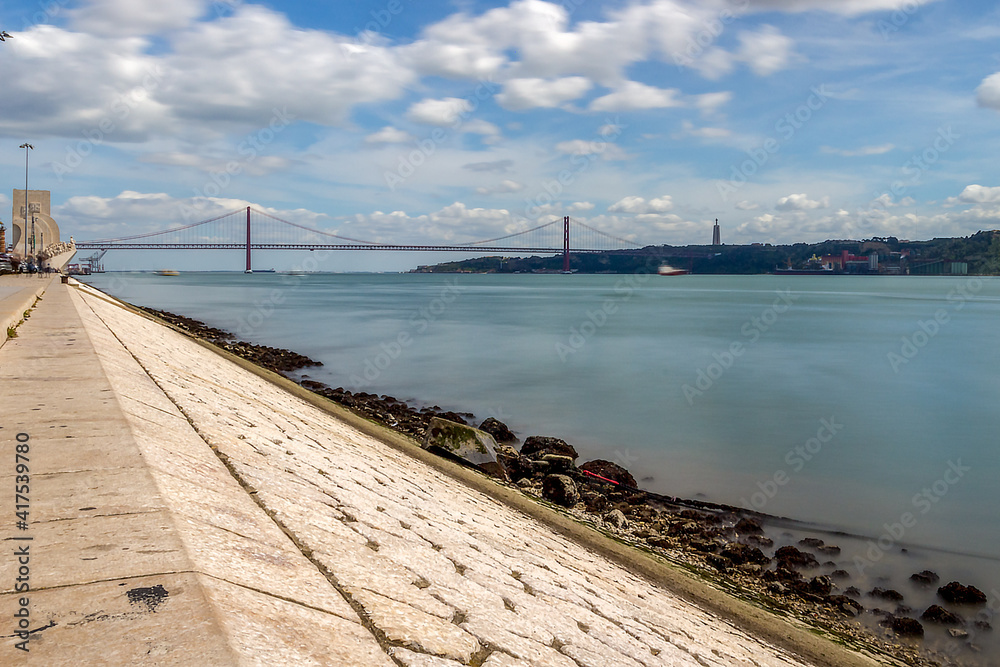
188, 510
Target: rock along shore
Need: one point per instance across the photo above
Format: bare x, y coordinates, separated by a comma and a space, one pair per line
416, 560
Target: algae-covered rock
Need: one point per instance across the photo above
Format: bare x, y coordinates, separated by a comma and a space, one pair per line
475, 446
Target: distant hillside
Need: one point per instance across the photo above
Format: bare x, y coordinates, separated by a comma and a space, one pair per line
981, 251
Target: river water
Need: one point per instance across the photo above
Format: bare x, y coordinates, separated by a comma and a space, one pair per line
867, 405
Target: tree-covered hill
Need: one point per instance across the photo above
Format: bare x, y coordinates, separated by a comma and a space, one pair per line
981, 251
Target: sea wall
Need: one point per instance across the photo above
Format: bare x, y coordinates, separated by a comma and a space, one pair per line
189, 509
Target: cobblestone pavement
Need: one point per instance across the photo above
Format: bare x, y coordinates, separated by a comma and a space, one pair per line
438, 573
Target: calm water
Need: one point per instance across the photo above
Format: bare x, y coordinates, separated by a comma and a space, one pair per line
855, 403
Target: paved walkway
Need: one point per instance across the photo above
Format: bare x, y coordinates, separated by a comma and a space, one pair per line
298, 541
17, 294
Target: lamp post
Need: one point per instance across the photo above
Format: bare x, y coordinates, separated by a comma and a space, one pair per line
27, 147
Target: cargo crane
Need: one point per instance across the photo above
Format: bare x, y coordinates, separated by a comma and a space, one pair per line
94, 261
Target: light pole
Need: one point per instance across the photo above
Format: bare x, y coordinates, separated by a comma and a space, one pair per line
27, 147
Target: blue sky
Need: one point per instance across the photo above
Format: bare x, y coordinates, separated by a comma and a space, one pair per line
433, 122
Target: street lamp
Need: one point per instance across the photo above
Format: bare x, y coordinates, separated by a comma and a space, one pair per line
27, 147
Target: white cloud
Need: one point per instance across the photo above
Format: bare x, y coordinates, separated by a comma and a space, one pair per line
55, 73
469, 60
714, 63
639, 205
520, 94
747, 205
765, 51
709, 103
632, 96
389, 135
216, 77
505, 187
480, 126
708, 133
864, 150
228, 70
441, 113
845, 7
260, 165
988, 92
582, 147
978, 194
801, 202
119, 18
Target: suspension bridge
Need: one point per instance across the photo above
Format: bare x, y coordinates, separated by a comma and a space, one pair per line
251, 229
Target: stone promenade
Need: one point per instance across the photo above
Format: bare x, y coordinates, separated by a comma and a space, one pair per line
187, 511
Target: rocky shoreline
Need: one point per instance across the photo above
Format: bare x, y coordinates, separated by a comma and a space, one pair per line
725, 544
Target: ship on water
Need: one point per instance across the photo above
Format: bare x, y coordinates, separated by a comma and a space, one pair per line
667, 270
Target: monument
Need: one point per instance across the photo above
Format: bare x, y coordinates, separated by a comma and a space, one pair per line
34, 233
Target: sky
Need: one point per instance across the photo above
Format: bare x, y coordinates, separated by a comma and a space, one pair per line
401, 121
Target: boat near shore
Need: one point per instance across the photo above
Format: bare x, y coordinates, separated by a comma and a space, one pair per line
667, 270
167, 272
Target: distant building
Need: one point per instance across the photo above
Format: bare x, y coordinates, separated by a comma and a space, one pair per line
716, 234
835, 262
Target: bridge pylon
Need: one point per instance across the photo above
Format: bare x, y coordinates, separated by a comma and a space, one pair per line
249, 268
566, 244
